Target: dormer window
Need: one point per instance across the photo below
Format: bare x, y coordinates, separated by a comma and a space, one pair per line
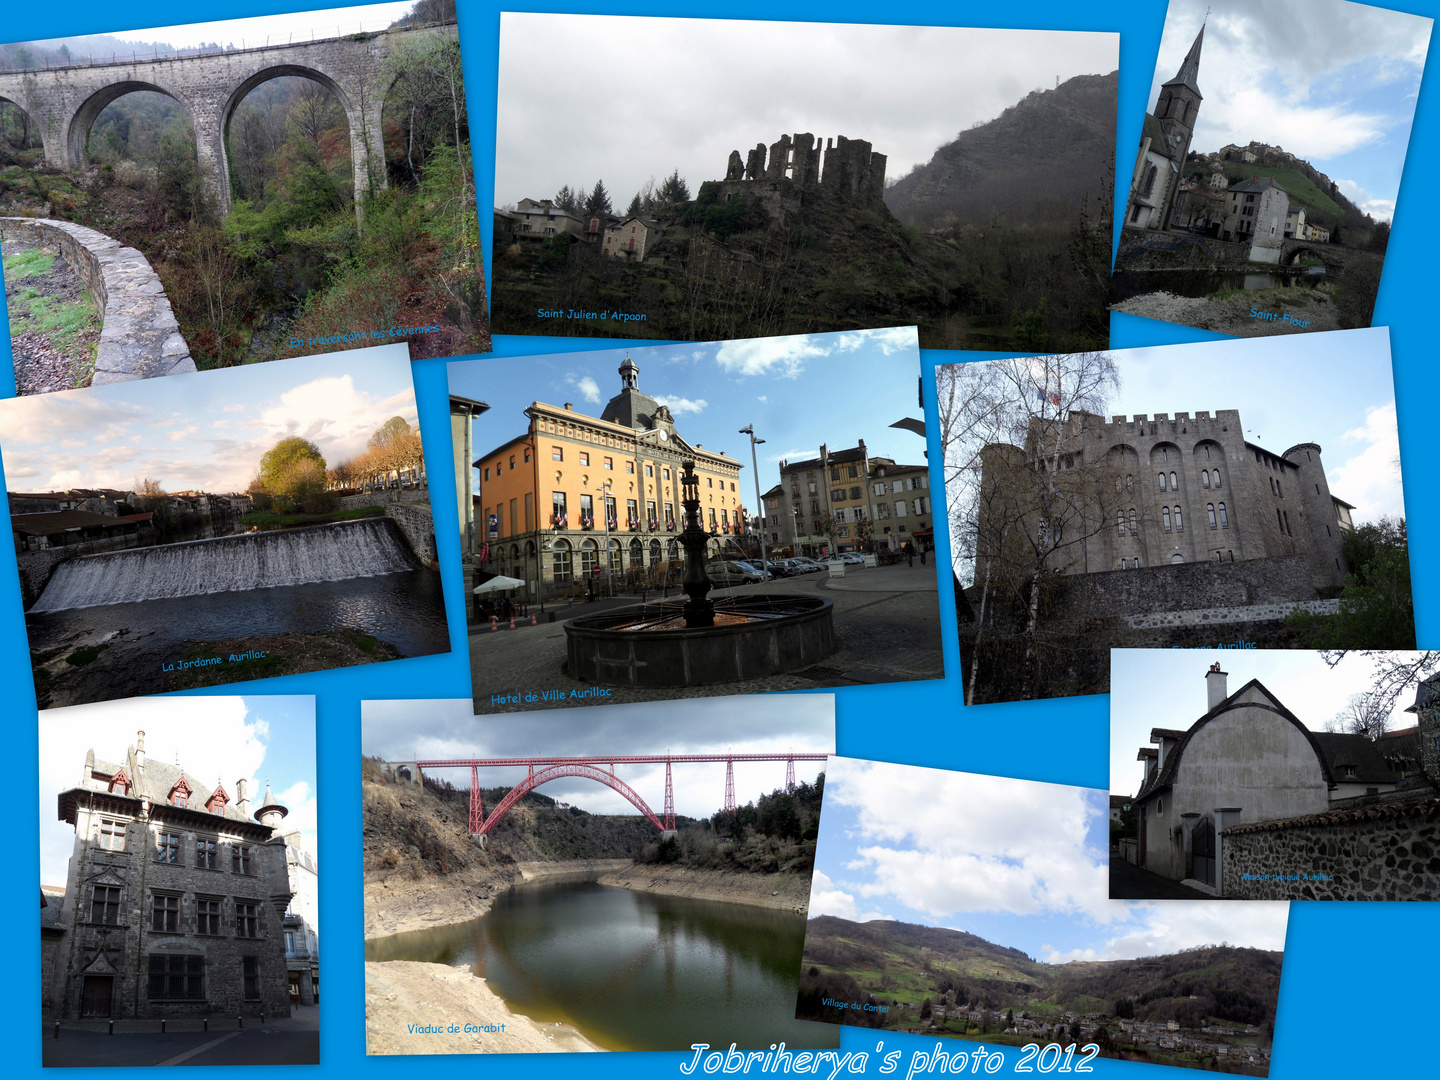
1350, 772
180, 793
217, 801
120, 783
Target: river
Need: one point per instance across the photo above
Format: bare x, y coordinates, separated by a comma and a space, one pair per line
632, 970
1126, 284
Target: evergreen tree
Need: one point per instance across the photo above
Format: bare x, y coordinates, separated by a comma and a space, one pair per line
672, 191
598, 204
567, 200
634, 209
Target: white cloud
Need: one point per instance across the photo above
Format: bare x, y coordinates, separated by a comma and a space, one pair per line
1168, 927
1370, 477
588, 387
1379, 209
783, 357
679, 406
827, 899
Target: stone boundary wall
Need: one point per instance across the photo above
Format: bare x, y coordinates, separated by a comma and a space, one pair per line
1254, 613
1367, 856
139, 335
417, 525
1184, 587
383, 498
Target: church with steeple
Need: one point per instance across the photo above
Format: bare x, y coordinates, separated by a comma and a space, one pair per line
1156, 190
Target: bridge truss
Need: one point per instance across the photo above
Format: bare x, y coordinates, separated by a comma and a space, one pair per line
541, 770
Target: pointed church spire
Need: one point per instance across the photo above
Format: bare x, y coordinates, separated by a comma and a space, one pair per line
1189, 74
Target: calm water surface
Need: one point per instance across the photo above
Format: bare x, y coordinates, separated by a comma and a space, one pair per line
1130, 283
631, 970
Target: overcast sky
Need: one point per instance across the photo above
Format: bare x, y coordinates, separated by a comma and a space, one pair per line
322, 23
1332, 82
797, 391
205, 430
619, 98
259, 738
1016, 862
1166, 688
750, 724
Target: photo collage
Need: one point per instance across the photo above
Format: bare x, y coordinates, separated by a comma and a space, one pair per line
926, 585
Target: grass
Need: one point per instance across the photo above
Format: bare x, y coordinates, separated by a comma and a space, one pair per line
364, 642
28, 263
81, 657
267, 519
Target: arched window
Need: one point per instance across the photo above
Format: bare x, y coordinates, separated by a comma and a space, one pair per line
1179, 524
1132, 522
1149, 187
560, 564
1204, 478
1162, 482
1174, 484
1217, 480
589, 558
1210, 513
1129, 482
1224, 518
1165, 517
1177, 557
1120, 522
637, 555
1207, 451
654, 552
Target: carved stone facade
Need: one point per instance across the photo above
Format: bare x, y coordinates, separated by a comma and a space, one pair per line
175, 897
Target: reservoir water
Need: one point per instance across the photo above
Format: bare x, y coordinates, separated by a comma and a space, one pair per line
632, 970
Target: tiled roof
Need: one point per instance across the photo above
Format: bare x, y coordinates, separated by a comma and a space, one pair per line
1424, 806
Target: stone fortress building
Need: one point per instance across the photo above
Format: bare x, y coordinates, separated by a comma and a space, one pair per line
174, 900
851, 168
1179, 489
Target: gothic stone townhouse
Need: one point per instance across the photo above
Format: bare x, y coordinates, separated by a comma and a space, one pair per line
174, 898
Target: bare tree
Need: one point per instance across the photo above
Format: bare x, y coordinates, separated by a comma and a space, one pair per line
1362, 715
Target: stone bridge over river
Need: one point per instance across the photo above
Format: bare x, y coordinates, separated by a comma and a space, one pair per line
64, 102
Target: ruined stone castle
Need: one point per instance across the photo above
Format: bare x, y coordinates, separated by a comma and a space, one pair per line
850, 167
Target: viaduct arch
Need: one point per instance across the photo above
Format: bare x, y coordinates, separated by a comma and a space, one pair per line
63, 103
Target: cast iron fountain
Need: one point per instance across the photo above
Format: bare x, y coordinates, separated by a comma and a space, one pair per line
699, 641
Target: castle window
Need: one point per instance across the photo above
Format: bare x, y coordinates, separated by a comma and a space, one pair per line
165, 914
1272, 485
1165, 517
1174, 484
1207, 451
1279, 522
1132, 522
1317, 489
112, 835
1204, 478
1162, 482
1224, 518
208, 918
205, 854
1210, 513
240, 859
1129, 482
250, 972
1231, 554
167, 850
180, 978
1120, 522
1217, 479
1159, 807
105, 905
1278, 490
1179, 525
1287, 524
247, 920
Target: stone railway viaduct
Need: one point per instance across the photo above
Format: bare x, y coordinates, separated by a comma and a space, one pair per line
64, 102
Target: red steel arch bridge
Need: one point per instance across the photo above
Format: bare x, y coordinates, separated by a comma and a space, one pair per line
541, 770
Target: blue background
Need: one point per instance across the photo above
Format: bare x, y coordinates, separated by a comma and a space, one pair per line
1359, 980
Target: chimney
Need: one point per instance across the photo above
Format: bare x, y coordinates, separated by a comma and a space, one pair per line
242, 798
1215, 684
569, 407
139, 754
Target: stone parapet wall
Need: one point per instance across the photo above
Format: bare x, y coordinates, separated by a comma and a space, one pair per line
383, 498
417, 525
139, 335
1366, 854
1253, 613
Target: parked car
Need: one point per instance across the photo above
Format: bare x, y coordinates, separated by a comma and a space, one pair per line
754, 568
779, 568
728, 573
853, 558
806, 565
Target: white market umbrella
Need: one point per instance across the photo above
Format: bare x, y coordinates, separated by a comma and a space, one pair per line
498, 583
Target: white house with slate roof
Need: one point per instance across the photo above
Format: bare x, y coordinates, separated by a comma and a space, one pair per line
1247, 759
174, 899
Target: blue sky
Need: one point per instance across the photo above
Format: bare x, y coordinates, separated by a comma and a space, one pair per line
1020, 863
1166, 688
748, 724
1332, 82
207, 430
798, 392
1334, 389
259, 738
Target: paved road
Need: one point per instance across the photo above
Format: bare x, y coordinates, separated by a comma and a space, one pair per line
292, 1042
887, 629
1129, 882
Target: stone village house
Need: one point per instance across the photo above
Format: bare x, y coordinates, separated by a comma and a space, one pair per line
174, 901
1250, 803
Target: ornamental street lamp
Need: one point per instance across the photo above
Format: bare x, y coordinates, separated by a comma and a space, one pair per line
749, 429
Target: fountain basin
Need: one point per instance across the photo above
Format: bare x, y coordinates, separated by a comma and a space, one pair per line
649, 645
